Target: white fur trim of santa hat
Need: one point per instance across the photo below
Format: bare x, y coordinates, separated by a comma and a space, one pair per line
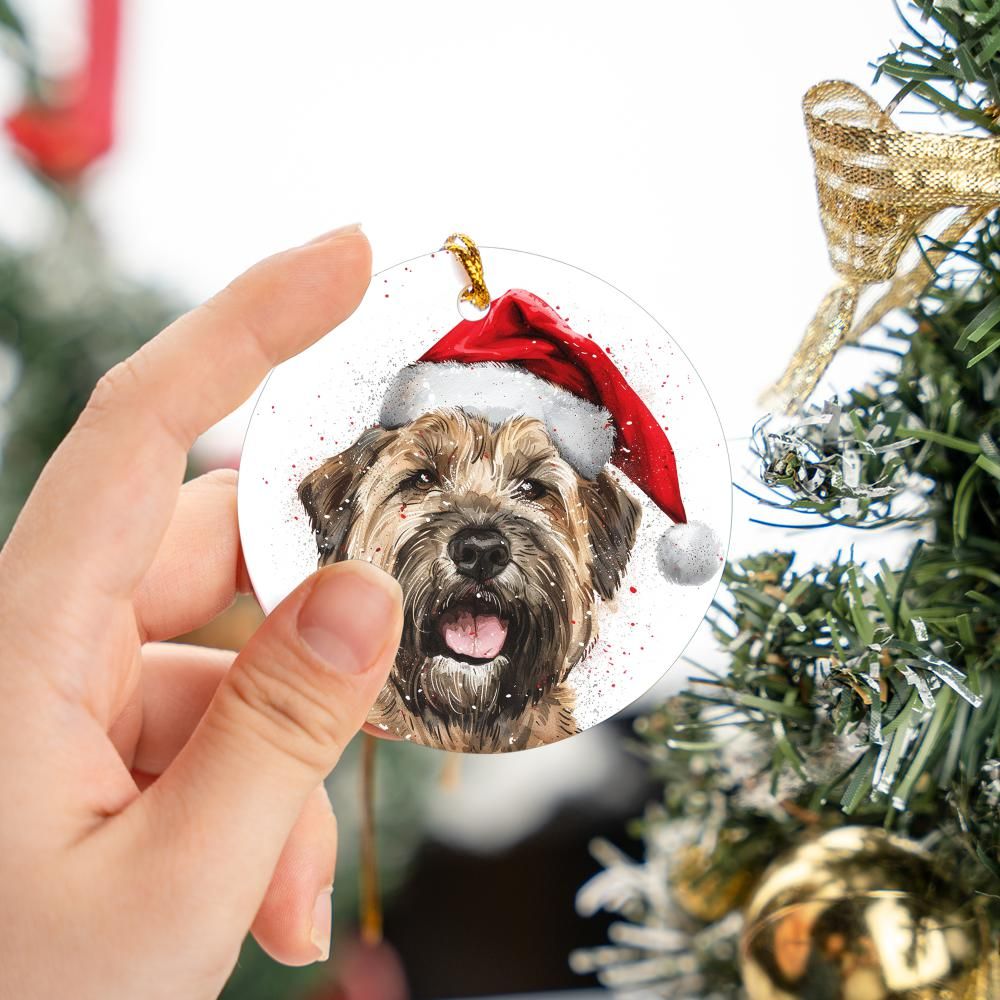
689, 554
583, 432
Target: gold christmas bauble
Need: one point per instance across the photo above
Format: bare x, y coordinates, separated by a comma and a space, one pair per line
859, 914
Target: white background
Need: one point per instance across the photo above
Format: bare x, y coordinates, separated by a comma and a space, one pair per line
658, 145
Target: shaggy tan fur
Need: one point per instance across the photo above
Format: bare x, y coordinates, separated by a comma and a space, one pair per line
396, 498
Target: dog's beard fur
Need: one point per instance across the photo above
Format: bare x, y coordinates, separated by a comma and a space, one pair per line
397, 498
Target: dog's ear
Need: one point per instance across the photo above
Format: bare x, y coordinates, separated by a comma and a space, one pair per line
613, 520
328, 493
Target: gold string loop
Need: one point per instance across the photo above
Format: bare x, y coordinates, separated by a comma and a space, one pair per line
465, 249
370, 895
878, 187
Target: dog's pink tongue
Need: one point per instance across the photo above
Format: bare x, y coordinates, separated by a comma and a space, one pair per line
480, 636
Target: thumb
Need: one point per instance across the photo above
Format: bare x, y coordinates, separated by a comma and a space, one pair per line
277, 725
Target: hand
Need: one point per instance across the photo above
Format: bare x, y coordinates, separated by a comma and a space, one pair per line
159, 800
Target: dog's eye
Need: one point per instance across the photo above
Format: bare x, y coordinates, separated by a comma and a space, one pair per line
423, 480
529, 489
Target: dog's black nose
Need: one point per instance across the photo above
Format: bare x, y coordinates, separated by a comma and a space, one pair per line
479, 552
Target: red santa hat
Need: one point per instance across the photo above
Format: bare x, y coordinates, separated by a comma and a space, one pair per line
523, 358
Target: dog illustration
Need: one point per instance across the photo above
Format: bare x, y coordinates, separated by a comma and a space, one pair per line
504, 553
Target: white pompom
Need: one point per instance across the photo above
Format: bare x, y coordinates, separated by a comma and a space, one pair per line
689, 554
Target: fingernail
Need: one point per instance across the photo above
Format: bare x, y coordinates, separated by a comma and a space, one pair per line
322, 923
354, 227
347, 617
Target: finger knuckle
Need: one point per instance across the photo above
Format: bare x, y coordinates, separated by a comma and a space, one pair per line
289, 711
251, 330
123, 392
115, 385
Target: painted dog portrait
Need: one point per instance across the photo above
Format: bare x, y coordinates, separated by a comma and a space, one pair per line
504, 552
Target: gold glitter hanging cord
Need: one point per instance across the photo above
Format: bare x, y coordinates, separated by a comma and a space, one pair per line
878, 187
465, 249
371, 897
371, 900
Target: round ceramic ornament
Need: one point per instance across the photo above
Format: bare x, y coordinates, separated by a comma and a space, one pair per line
546, 477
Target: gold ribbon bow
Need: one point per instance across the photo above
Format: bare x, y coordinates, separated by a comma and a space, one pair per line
878, 186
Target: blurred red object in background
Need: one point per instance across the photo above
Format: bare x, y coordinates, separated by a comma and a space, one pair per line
367, 973
65, 134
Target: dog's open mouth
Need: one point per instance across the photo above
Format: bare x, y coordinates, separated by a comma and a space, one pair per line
472, 633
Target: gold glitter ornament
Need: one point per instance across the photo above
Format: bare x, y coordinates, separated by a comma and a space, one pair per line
859, 914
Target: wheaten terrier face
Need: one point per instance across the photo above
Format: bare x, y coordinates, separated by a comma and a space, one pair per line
500, 548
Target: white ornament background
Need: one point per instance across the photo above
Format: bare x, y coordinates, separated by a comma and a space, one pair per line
317, 404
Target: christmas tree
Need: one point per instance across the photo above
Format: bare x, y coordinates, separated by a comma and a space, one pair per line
853, 744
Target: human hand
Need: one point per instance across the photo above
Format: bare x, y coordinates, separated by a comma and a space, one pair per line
159, 800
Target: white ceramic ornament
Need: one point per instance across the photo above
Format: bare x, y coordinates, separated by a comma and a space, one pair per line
547, 480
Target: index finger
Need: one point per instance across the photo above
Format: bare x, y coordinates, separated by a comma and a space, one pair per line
104, 500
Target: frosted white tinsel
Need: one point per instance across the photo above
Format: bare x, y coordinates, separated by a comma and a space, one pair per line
655, 951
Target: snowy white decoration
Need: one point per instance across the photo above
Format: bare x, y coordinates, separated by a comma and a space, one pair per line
583, 433
656, 950
689, 554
